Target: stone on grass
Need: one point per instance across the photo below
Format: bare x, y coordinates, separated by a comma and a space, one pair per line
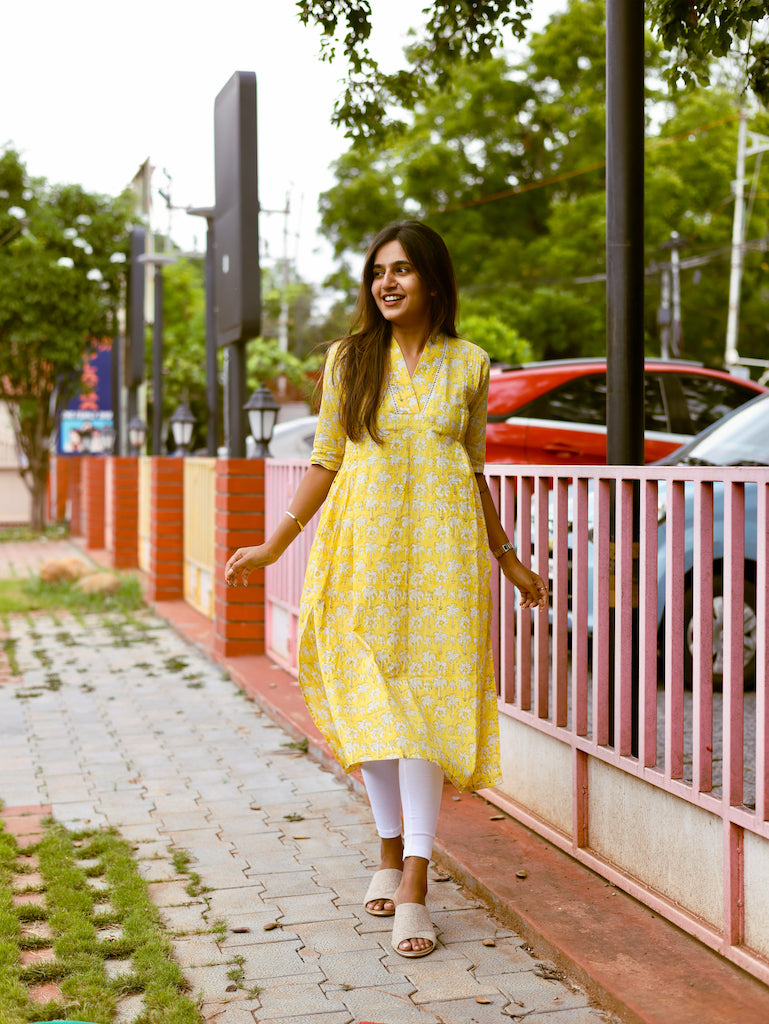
99, 583
63, 570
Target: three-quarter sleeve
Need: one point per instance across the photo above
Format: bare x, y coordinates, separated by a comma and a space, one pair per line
475, 435
330, 438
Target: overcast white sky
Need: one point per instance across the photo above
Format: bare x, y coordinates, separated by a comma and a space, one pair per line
89, 90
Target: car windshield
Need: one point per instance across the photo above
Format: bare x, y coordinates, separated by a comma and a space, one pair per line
741, 440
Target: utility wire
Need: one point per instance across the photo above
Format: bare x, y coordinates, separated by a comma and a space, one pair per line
565, 175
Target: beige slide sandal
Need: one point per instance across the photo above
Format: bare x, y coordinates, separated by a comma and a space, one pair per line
382, 887
412, 921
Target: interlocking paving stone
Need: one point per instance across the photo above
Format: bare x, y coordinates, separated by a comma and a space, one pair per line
174, 894
506, 956
394, 1007
340, 866
284, 1002
241, 900
463, 925
234, 1011
255, 922
198, 951
267, 961
535, 992
156, 870
360, 969
334, 937
290, 883
183, 919
444, 979
296, 909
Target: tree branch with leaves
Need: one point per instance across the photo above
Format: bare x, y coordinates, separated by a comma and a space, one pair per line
455, 31
698, 32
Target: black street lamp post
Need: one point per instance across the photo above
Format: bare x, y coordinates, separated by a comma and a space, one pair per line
212, 371
158, 261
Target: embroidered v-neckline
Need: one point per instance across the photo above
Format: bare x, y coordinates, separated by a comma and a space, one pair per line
439, 360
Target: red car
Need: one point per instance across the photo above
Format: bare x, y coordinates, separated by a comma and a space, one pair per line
554, 413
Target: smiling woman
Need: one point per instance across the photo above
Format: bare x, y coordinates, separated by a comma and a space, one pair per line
393, 641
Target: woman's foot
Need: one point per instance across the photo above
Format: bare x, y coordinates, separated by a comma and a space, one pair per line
392, 857
413, 889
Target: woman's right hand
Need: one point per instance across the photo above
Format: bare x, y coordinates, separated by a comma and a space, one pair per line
244, 560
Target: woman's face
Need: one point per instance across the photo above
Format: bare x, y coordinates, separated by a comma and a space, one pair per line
399, 292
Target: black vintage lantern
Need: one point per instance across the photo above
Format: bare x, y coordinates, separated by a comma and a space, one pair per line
262, 412
137, 433
108, 439
182, 423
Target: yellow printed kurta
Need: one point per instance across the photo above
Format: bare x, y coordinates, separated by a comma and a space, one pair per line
394, 631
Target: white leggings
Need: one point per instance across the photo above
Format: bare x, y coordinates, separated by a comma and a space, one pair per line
408, 789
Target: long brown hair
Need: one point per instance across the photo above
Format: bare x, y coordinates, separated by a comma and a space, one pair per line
362, 359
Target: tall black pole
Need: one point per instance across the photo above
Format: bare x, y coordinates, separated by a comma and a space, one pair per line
117, 390
134, 338
624, 231
236, 369
625, 289
157, 365
212, 368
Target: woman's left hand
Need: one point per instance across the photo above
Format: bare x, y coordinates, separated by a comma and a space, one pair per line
532, 587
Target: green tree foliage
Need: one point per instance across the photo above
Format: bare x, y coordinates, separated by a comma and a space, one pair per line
503, 343
59, 291
454, 32
699, 32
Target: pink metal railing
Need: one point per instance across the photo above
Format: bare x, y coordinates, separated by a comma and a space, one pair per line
284, 579
584, 689
588, 672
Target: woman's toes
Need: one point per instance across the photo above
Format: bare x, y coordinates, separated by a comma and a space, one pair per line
414, 945
380, 905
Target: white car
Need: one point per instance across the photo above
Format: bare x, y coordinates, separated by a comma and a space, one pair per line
292, 439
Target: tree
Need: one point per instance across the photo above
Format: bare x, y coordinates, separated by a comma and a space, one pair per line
60, 253
698, 32
455, 32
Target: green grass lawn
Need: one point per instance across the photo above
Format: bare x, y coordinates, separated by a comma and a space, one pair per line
33, 595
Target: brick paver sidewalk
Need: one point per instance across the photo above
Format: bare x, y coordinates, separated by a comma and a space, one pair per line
118, 721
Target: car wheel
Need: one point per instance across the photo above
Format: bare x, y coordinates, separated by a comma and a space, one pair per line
749, 635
